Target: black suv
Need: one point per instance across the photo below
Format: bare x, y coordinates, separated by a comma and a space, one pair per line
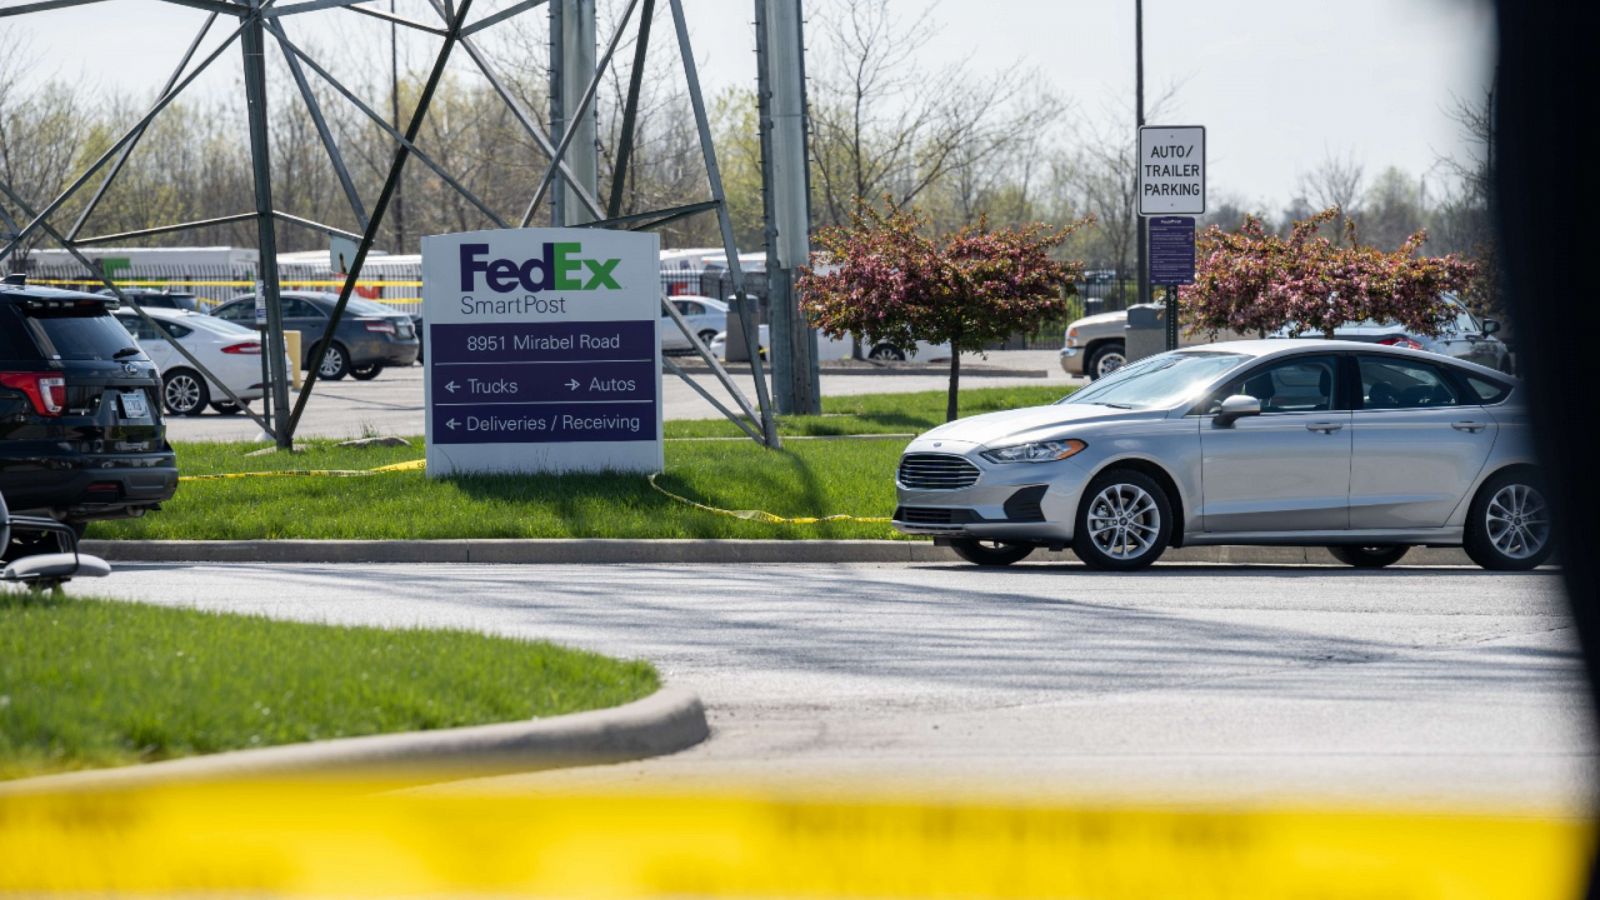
81, 434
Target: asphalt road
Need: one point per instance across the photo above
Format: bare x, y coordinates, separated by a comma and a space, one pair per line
392, 404
1430, 686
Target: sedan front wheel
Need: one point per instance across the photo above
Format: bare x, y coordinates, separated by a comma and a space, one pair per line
1124, 522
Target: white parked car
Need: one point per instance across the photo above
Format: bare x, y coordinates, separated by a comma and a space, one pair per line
719, 343
706, 315
232, 353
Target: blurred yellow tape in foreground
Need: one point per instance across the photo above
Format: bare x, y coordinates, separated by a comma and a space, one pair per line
331, 840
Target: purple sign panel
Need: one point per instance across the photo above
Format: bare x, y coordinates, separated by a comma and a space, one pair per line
1171, 250
529, 383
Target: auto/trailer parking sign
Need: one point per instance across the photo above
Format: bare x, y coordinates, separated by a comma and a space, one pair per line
542, 351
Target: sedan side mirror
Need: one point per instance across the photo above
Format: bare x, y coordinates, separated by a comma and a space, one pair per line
1237, 407
1490, 326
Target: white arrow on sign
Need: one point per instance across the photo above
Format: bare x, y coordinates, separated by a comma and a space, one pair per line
452, 387
572, 385
452, 424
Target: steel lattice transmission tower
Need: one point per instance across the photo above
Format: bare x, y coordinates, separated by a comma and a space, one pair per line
569, 179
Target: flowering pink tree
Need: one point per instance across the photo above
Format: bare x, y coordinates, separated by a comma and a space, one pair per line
887, 281
1253, 281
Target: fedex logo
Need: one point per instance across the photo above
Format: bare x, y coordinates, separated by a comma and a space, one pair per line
558, 266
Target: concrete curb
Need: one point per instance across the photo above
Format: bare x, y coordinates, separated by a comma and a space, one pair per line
610, 551
667, 721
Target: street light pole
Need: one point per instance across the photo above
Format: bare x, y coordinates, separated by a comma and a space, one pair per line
1138, 100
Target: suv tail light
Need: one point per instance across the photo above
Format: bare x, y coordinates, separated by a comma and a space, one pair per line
381, 326
1401, 341
48, 392
249, 348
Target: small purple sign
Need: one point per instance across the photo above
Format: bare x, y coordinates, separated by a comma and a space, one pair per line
1171, 250
543, 382
545, 423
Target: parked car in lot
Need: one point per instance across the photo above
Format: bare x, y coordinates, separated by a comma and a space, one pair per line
1366, 449
230, 352
81, 432
1465, 337
707, 316
1096, 346
156, 298
370, 335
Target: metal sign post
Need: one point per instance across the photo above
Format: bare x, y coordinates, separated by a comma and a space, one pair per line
1172, 263
1172, 180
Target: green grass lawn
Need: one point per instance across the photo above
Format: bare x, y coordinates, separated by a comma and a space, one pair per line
90, 683
806, 478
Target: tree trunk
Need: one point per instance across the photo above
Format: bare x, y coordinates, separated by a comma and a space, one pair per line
951, 401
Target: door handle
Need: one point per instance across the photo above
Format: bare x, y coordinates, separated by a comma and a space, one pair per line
1324, 427
1473, 427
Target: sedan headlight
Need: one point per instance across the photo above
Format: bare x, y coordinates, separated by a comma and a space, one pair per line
1036, 452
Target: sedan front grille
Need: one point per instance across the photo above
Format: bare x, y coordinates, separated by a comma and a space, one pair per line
936, 472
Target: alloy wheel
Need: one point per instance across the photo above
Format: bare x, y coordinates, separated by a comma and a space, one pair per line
1518, 521
1108, 363
1124, 521
182, 393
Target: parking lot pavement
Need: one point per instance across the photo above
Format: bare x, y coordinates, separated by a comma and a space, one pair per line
392, 403
1452, 686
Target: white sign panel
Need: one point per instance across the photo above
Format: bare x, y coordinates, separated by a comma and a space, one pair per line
1172, 170
542, 351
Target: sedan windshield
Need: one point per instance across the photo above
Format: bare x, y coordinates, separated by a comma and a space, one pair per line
1158, 381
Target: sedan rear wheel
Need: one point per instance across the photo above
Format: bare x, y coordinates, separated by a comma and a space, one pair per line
1373, 557
1124, 523
184, 393
990, 553
1508, 526
335, 363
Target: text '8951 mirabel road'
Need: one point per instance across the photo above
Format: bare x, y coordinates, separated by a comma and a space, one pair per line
1367, 450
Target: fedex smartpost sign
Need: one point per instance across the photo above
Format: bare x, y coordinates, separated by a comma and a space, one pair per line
542, 351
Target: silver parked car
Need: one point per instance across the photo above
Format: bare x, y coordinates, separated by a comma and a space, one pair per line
1363, 448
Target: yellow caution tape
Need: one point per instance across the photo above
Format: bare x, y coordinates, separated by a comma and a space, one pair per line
757, 515
320, 838
163, 282
413, 465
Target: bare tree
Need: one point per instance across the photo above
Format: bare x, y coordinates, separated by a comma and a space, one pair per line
1335, 182
885, 128
41, 129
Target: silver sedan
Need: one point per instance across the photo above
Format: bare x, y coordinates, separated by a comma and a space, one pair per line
1368, 450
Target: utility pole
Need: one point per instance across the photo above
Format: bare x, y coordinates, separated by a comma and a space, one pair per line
786, 200
1138, 100
572, 65
255, 88
394, 109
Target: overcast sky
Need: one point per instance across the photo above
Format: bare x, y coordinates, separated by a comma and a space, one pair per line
1279, 84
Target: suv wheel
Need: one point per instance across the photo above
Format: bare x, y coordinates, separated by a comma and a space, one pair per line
184, 393
1508, 525
366, 373
989, 553
1373, 557
1107, 358
335, 363
1124, 521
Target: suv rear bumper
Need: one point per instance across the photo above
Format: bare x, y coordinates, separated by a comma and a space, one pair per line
90, 487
